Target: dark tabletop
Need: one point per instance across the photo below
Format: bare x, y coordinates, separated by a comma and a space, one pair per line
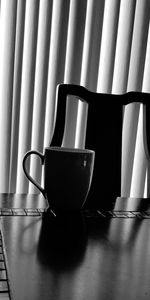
89, 255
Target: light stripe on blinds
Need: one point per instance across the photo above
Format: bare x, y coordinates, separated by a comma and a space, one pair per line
102, 45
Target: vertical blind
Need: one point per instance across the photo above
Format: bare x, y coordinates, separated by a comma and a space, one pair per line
103, 45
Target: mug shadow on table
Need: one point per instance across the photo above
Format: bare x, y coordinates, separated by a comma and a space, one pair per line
62, 242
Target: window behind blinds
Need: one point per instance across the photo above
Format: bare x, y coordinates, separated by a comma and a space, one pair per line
102, 45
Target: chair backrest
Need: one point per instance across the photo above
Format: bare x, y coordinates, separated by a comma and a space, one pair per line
103, 134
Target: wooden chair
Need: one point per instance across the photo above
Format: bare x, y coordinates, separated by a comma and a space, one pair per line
104, 135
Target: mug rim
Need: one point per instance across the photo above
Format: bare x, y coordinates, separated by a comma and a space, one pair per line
67, 149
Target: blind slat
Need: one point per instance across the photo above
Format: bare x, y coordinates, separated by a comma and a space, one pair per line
123, 46
77, 14
140, 162
40, 88
16, 94
146, 76
27, 89
136, 69
139, 42
56, 62
7, 48
107, 52
89, 68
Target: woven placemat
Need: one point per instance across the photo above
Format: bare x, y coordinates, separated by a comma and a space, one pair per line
87, 213
4, 283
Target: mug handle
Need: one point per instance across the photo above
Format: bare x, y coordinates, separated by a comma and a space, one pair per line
26, 172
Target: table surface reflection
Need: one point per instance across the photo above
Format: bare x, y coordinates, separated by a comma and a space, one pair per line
76, 257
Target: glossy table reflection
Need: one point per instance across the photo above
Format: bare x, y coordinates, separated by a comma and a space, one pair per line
79, 256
